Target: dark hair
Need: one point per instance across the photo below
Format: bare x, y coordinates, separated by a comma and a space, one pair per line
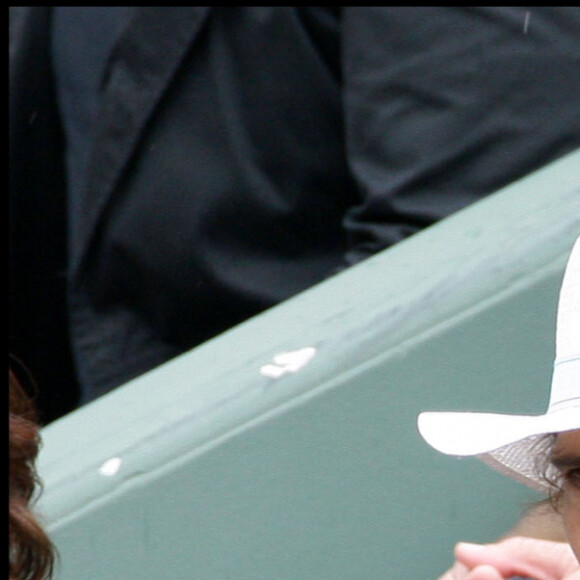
31, 553
547, 471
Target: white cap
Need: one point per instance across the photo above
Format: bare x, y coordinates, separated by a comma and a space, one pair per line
511, 443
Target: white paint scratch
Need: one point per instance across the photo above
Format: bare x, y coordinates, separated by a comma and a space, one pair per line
288, 362
110, 467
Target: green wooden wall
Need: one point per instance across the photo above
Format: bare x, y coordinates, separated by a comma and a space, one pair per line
229, 463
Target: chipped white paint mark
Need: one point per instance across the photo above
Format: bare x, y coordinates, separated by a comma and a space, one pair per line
110, 467
288, 362
526, 22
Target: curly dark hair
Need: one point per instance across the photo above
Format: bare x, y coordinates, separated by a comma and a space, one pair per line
546, 471
31, 553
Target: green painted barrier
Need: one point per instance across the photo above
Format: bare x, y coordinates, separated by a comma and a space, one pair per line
237, 461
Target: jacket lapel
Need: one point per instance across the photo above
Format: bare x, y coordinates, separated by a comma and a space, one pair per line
141, 66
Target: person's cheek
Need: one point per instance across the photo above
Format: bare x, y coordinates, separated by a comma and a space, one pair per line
571, 515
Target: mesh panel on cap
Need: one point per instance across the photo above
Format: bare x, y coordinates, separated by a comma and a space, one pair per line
526, 461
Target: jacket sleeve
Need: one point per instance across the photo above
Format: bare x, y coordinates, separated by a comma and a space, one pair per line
446, 105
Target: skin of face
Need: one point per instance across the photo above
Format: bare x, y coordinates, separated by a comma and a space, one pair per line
566, 457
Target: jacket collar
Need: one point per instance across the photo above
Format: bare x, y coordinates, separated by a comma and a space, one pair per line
143, 63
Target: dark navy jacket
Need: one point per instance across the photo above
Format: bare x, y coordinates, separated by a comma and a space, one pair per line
244, 154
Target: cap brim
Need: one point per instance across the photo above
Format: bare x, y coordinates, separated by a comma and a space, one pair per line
511, 444
464, 434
